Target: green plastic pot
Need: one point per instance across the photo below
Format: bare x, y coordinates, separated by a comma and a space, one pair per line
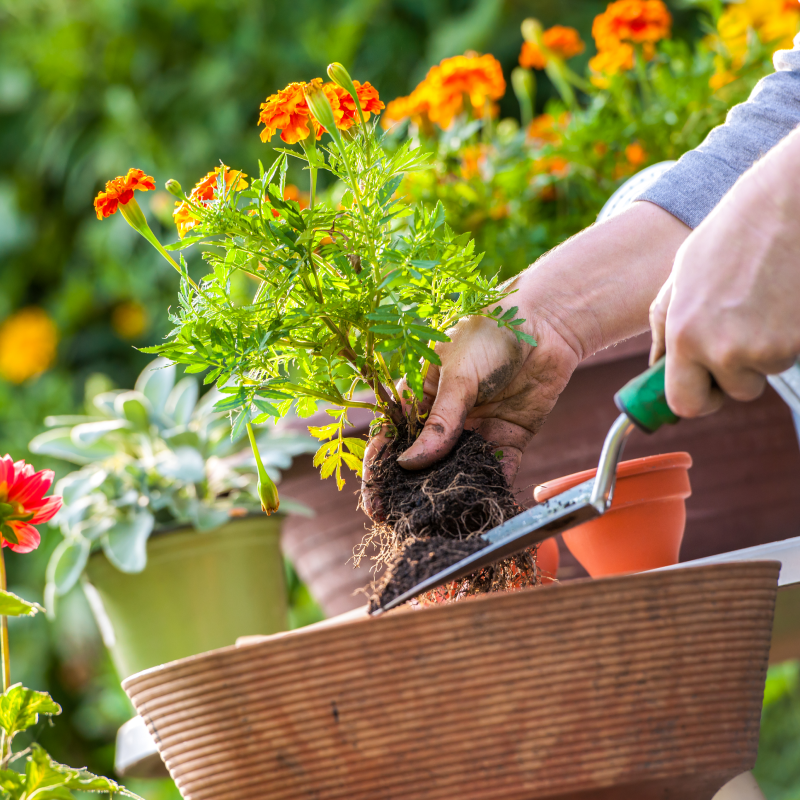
199, 592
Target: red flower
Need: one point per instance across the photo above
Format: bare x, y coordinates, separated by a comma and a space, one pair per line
120, 190
23, 504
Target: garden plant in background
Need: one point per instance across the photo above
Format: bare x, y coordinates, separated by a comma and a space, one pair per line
158, 455
23, 505
346, 294
522, 189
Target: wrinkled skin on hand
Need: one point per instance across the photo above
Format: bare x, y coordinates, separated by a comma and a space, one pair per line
587, 294
731, 308
488, 382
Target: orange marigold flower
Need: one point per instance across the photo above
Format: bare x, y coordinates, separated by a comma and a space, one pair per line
204, 192
610, 62
472, 156
23, 504
636, 154
637, 21
414, 107
552, 165
560, 41
478, 78
120, 190
286, 111
367, 96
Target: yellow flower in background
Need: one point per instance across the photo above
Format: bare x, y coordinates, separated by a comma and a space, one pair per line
129, 320
28, 341
608, 63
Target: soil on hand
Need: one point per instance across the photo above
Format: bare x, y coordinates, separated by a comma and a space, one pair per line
433, 518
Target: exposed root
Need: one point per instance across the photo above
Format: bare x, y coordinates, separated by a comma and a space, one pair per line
433, 518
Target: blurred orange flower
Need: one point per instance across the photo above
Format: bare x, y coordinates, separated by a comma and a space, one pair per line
636, 154
560, 41
291, 192
129, 319
472, 156
637, 21
544, 128
204, 192
120, 190
608, 63
440, 97
551, 165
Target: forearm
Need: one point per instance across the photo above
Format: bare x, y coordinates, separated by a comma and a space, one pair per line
702, 177
598, 286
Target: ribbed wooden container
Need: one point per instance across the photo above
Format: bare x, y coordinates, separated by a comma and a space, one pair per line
645, 686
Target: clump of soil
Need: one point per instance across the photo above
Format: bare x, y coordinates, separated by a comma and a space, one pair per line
433, 517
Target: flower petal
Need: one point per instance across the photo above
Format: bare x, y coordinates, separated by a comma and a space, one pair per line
28, 537
29, 490
46, 511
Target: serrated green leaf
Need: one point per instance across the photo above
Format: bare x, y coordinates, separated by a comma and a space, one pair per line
13, 606
20, 708
324, 431
355, 446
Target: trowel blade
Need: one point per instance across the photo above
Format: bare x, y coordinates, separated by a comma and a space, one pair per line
562, 512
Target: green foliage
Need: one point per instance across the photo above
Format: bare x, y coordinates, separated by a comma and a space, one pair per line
20, 708
152, 456
13, 606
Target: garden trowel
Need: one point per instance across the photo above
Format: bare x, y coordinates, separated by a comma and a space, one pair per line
643, 404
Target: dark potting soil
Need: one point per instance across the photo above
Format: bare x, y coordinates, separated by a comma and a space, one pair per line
432, 519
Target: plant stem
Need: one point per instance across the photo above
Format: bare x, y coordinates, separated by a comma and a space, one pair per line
6, 666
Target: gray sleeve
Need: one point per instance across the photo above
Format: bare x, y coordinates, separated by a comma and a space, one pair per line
700, 179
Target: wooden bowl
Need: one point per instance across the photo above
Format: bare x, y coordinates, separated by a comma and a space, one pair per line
643, 686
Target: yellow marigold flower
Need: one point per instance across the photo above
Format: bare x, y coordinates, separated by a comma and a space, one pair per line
120, 190
204, 192
636, 21
28, 340
129, 320
608, 63
636, 154
560, 41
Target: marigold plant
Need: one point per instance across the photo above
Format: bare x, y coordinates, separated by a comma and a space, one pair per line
346, 295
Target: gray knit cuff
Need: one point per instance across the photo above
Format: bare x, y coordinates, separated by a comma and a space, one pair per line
692, 188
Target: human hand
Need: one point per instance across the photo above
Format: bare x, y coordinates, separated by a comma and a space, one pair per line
728, 315
585, 295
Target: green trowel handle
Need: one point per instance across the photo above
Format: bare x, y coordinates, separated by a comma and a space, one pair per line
643, 399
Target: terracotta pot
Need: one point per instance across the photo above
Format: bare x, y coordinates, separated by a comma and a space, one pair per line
592, 690
547, 559
643, 529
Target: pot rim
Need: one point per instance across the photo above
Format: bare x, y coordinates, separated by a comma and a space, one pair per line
627, 469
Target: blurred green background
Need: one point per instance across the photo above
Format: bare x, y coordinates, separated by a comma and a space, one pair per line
89, 88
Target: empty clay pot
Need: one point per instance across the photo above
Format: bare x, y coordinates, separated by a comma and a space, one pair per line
643, 529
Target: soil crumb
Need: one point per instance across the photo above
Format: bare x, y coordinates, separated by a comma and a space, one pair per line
433, 518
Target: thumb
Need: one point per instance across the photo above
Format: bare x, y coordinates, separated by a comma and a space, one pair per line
443, 425
658, 321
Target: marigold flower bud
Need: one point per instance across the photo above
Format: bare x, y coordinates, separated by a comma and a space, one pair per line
523, 83
531, 30
320, 107
267, 491
135, 217
174, 188
341, 77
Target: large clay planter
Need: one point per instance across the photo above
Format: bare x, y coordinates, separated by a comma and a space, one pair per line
643, 529
199, 592
595, 689
745, 477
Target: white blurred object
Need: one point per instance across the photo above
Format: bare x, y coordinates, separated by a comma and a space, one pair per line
631, 189
742, 788
137, 755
